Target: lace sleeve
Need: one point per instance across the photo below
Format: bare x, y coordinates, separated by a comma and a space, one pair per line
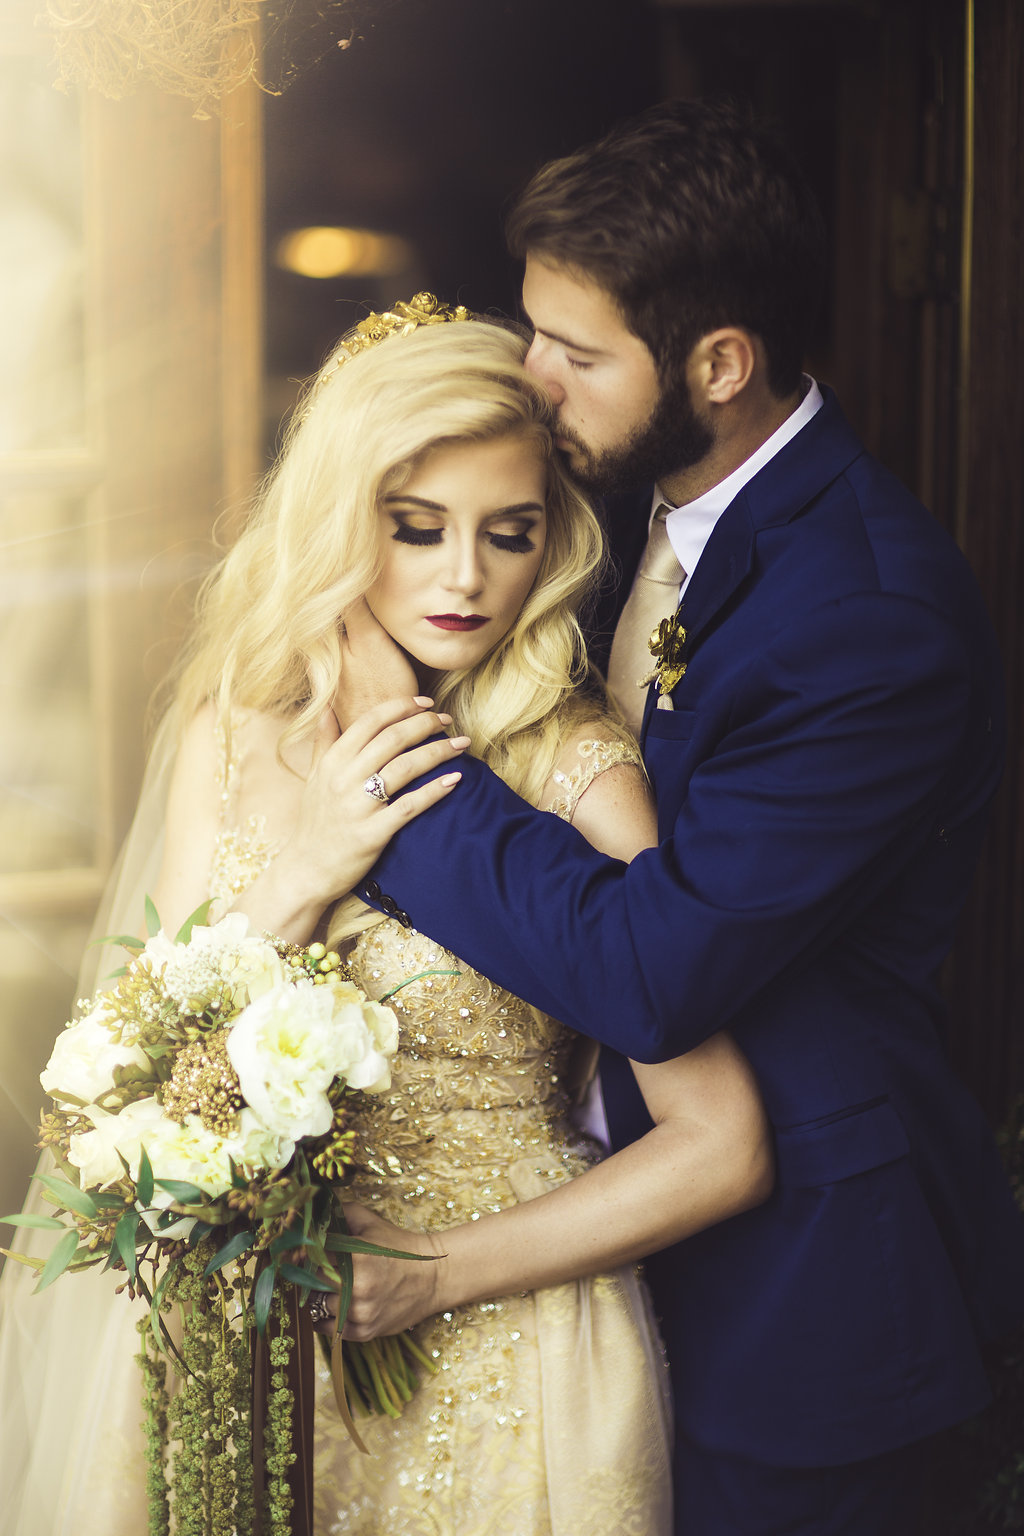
595, 758
240, 852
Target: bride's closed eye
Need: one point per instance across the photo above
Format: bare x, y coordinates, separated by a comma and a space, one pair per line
407, 533
513, 543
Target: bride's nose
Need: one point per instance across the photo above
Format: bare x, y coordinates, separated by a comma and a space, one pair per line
465, 572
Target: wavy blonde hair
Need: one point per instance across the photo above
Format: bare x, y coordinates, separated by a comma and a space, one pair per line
268, 635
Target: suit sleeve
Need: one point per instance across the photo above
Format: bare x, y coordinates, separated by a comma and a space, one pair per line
826, 776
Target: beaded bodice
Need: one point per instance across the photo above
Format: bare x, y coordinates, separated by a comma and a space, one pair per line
478, 1112
479, 1102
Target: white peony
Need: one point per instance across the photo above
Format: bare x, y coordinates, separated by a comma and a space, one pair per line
94, 1153
284, 1049
85, 1056
254, 1147
190, 1153
367, 1037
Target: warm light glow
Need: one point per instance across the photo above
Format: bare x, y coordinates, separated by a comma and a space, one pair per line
327, 251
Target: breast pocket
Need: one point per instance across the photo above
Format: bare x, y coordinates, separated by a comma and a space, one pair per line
670, 725
668, 751
838, 1147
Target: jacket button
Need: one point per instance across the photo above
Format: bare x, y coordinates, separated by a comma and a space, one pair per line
372, 890
389, 904
403, 918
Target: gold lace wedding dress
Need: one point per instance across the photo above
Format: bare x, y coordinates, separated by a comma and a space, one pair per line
548, 1413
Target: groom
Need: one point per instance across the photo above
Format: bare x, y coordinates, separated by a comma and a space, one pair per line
823, 735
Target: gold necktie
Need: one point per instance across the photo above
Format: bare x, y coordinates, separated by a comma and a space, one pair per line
654, 597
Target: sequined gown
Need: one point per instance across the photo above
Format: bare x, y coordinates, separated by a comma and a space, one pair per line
548, 1414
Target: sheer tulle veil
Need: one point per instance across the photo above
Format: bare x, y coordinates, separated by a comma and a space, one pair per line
70, 1394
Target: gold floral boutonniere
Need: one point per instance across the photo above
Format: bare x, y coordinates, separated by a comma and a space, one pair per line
667, 645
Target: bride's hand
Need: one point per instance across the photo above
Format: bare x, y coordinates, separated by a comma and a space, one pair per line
342, 828
373, 667
390, 1295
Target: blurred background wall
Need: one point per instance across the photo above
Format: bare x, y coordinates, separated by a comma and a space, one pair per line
167, 279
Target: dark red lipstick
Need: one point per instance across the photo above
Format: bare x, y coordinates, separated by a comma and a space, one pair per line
456, 621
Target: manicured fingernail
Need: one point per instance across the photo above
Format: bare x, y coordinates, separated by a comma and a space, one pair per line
451, 778
420, 698
445, 719
458, 743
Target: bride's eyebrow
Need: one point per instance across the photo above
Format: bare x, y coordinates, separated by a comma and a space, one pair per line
516, 509
417, 501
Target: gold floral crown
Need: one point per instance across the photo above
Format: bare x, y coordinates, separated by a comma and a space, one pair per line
403, 317
422, 309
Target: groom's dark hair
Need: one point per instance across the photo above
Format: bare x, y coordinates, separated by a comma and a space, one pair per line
691, 217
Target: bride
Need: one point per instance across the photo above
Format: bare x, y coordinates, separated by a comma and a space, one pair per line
418, 479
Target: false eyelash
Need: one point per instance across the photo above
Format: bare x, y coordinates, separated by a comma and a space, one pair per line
408, 535
515, 543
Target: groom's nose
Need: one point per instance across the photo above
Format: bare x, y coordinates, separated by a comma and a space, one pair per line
541, 364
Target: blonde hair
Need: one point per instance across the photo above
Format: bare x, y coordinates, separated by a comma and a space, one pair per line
268, 636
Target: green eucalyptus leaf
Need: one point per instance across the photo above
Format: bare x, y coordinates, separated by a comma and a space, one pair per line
144, 1182
305, 1278
125, 1236
26, 1219
231, 1249
111, 1202
63, 1252
152, 917
341, 1242
185, 1194
199, 916
125, 940
286, 1243
263, 1294
345, 1289
24, 1258
69, 1195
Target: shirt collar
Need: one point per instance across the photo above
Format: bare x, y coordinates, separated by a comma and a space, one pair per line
690, 526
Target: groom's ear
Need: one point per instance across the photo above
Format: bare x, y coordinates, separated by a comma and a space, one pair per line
721, 365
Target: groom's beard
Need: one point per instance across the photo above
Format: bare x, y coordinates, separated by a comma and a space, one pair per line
672, 438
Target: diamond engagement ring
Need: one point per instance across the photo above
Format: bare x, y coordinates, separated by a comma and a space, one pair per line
319, 1311
374, 787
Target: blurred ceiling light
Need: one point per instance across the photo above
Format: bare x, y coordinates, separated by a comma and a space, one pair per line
327, 251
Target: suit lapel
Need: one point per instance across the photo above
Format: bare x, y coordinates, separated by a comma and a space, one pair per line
798, 473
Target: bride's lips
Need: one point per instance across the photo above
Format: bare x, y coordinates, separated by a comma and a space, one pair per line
456, 621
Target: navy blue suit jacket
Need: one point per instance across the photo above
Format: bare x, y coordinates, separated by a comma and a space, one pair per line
821, 786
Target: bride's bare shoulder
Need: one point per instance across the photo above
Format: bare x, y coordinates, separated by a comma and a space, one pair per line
599, 784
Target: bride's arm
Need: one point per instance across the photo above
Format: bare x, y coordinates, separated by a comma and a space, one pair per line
708, 1157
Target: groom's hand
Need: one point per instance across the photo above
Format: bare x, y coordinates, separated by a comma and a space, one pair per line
374, 669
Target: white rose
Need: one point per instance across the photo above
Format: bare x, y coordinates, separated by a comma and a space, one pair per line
94, 1153
284, 1049
84, 1059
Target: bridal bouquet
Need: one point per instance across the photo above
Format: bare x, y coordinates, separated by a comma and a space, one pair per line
199, 1129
